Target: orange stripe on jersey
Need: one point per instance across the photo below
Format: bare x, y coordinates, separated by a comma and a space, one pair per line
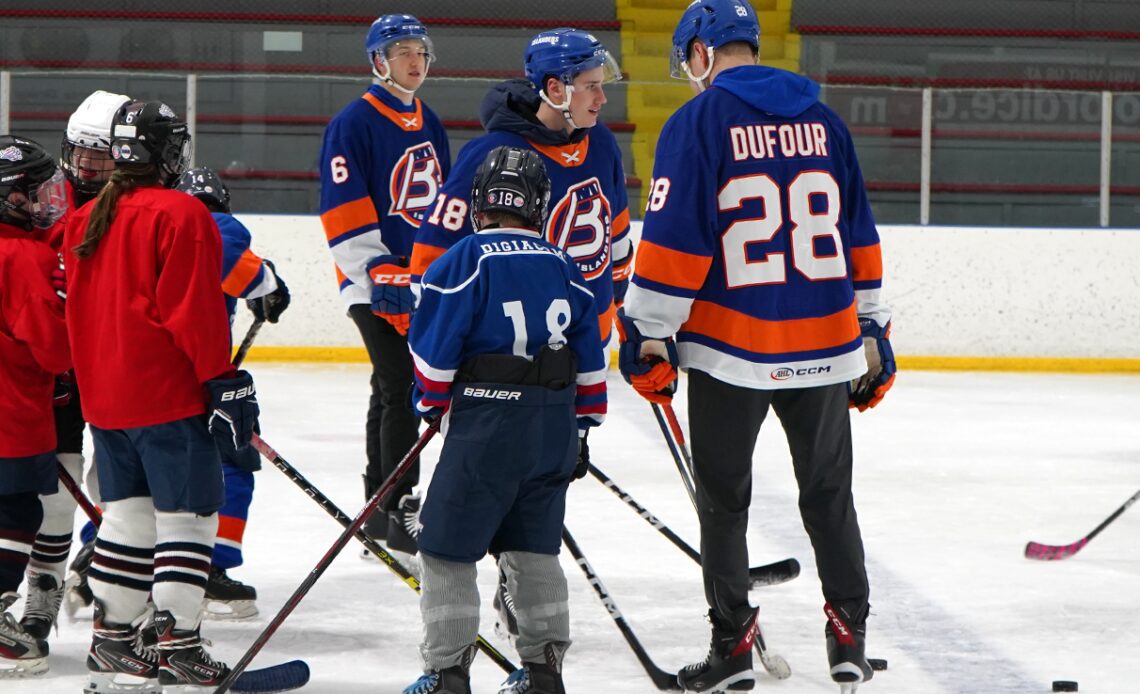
340, 276
670, 267
349, 216
230, 528
772, 336
867, 262
241, 274
566, 155
620, 223
606, 322
423, 255
408, 122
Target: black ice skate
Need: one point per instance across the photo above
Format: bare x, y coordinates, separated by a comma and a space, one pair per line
45, 595
184, 666
21, 654
229, 598
122, 658
846, 647
77, 594
728, 666
404, 525
453, 680
538, 678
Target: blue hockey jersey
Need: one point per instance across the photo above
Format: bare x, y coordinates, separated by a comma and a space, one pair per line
504, 291
381, 166
589, 211
244, 274
758, 249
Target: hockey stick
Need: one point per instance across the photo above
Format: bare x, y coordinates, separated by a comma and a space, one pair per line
391, 562
89, 508
302, 590
766, 575
774, 664
1036, 550
247, 341
665, 681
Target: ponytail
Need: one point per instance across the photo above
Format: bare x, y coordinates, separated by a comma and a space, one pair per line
124, 179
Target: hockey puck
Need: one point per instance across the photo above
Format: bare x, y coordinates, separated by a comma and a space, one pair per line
1064, 686
878, 664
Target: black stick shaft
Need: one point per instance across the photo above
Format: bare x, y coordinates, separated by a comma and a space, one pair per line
247, 342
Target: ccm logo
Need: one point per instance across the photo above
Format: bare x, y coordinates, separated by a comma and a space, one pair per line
397, 280
492, 394
784, 373
238, 394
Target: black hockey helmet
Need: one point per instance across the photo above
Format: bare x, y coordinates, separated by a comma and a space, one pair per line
512, 180
149, 132
28, 170
205, 184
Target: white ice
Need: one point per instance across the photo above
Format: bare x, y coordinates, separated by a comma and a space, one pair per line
955, 472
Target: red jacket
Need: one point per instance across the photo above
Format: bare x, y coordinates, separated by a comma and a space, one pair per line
33, 344
147, 323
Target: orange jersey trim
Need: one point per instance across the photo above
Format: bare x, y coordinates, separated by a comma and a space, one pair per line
230, 528
241, 274
769, 336
349, 216
620, 223
672, 268
606, 323
408, 122
867, 263
567, 156
423, 255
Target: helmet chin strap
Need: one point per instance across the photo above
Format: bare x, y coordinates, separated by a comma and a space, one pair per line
700, 81
388, 79
564, 107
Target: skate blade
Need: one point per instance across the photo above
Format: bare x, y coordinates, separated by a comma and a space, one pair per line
848, 687
120, 683
231, 610
18, 669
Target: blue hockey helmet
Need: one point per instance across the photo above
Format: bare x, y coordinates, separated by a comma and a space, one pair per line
564, 53
390, 29
715, 23
511, 180
205, 184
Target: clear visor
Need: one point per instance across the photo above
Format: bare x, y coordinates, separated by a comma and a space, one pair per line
677, 65
408, 48
611, 71
49, 201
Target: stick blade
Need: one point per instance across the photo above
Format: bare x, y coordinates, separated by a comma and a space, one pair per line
1041, 552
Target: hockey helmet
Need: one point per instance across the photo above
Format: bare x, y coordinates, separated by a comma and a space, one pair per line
715, 23
28, 170
149, 132
512, 180
205, 184
564, 53
393, 28
89, 127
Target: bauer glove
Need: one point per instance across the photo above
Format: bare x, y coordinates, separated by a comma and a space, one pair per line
867, 390
233, 411
392, 297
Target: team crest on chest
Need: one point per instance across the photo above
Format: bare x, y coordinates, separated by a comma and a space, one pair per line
579, 223
414, 183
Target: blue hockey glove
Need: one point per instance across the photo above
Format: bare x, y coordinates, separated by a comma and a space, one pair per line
654, 377
272, 305
866, 391
392, 297
233, 411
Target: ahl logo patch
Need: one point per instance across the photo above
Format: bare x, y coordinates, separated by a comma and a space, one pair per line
782, 374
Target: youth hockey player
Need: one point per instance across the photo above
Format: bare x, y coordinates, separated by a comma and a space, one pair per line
33, 349
244, 276
382, 162
143, 268
505, 341
760, 257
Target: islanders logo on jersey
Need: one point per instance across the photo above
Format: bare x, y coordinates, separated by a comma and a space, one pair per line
415, 180
579, 223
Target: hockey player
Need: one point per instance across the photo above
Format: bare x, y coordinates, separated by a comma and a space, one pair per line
382, 162
554, 112
143, 267
33, 349
505, 341
760, 257
244, 276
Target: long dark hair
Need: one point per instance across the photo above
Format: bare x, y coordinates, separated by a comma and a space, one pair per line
125, 178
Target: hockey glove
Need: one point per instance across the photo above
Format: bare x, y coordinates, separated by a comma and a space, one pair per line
272, 305
583, 465
233, 411
59, 280
649, 365
64, 389
867, 390
392, 297
620, 288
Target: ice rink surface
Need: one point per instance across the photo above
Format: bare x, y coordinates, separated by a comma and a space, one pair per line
955, 472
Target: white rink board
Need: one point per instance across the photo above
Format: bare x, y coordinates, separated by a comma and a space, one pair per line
956, 291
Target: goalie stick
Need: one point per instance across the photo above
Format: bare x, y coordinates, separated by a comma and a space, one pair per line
391, 562
327, 560
1036, 550
767, 575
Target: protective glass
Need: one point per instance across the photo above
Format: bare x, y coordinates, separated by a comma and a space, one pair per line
49, 201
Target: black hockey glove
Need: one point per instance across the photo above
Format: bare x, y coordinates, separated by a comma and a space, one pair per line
583, 465
272, 305
233, 411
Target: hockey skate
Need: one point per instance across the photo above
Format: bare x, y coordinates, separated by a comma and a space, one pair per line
404, 525
506, 623
538, 678
122, 658
453, 680
21, 654
184, 666
76, 593
846, 648
44, 598
728, 666
228, 598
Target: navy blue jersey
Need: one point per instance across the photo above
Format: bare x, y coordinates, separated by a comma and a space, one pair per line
504, 291
244, 274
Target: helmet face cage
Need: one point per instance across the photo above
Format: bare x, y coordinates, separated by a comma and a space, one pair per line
27, 170
205, 184
511, 180
86, 144
715, 23
390, 30
149, 132
564, 54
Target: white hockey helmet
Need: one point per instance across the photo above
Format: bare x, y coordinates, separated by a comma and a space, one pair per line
90, 126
